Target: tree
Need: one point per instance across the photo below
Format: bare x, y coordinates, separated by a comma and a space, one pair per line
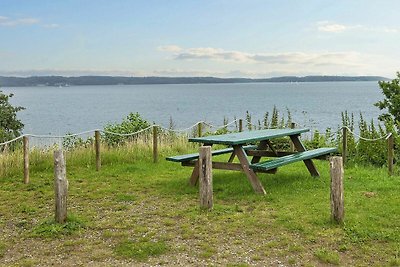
10, 126
391, 103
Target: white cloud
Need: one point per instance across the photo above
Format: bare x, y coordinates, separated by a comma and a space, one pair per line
328, 26
291, 58
52, 25
68, 72
12, 22
169, 48
8, 22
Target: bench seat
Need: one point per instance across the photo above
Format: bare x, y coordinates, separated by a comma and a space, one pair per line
299, 156
190, 157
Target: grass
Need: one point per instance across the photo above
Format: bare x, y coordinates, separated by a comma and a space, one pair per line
140, 250
50, 229
135, 212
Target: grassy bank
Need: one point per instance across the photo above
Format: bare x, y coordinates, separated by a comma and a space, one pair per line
135, 212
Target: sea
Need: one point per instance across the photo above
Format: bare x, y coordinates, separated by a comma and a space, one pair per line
72, 109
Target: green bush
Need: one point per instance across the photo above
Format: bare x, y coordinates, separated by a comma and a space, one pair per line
132, 123
10, 126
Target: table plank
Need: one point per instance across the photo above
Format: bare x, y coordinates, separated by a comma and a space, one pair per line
247, 137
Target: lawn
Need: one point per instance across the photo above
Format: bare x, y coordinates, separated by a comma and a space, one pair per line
136, 212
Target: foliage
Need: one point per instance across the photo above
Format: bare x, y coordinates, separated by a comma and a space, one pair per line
72, 141
140, 250
51, 229
134, 199
10, 126
391, 103
3, 249
132, 123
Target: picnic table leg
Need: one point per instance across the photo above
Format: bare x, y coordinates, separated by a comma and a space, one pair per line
194, 178
251, 175
195, 174
262, 146
308, 162
232, 157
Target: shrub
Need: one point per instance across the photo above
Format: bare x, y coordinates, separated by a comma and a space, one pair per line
132, 123
10, 126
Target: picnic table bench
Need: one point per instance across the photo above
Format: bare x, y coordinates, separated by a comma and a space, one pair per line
241, 145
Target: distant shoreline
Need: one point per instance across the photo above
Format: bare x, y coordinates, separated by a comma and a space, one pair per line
119, 80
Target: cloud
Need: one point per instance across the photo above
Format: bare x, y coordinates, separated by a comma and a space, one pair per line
52, 25
8, 22
12, 22
169, 48
68, 72
327, 26
290, 58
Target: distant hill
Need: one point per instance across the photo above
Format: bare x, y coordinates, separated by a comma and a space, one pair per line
117, 80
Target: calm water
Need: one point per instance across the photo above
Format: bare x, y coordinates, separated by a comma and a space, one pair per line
53, 110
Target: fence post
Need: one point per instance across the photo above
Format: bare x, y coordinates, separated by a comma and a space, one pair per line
292, 126
337, 190
344, 147
97, 148
199, 129
240, 125
25, 140
60, 186
205, 178
155, 143
390, 144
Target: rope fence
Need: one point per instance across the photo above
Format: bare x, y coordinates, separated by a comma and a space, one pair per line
197, 129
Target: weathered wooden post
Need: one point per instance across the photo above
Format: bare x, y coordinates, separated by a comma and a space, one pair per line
292, 126
344, 143
390, 144
25, 140
205, 178
337, 190
240, 125
155, 143
60, 186
199, 129
97, 148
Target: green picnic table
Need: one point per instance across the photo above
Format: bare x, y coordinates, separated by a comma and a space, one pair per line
256, 145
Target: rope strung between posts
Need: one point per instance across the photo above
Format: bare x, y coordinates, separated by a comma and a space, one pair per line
171, 130
128, 134
222, 126
60, 136
109, 132
367, 139
181, 130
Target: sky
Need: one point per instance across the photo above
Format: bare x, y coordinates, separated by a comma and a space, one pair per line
220, 38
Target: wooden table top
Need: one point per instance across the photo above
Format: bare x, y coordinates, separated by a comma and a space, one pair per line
247, 137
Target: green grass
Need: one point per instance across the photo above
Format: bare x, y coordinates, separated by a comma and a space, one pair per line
134, 211
326, 256
50, 229
140, 250
3, 249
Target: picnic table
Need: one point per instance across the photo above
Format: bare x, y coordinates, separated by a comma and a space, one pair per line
256, 145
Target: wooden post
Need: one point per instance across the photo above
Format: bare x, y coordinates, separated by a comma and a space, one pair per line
155, 144
97, 148
199, 129
292, 126
240, 125
60, 186
25, 140
337, 191
205, 178
344, 148
390, 143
